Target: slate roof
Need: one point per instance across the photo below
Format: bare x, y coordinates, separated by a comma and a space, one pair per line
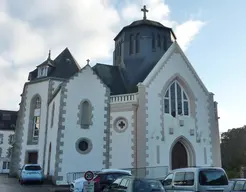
63, 66
146, 23
124, 80
8, 120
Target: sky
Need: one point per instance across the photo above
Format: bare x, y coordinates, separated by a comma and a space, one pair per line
212, 34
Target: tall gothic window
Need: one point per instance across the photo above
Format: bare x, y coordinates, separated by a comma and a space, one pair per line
34, 123
137, 43
131, 45
85, 114
176, 101
153, 41
164, 46
53, 114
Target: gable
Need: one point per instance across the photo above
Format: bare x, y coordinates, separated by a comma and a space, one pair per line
86, 68
174, 49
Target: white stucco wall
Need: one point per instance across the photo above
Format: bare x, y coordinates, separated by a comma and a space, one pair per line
40, 88
121, 142
176, 65
52, 135
5, 146
55, 84
85, 85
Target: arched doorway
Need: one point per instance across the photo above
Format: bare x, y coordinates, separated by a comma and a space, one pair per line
179, 156
182, 153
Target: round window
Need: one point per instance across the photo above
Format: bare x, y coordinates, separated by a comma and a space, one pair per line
83, 145
120, 124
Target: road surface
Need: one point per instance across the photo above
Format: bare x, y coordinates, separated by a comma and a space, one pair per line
12, 185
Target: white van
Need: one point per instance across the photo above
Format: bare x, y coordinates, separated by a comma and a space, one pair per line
196, 179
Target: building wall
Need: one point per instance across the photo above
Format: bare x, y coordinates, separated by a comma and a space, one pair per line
40, 88
122, 139
159, 125
83, 86
4, 148
52, 135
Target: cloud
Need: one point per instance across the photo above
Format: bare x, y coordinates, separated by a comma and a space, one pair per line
30, 28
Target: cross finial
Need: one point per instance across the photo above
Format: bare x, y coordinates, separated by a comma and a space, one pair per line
144, 10
88, 61
49, 54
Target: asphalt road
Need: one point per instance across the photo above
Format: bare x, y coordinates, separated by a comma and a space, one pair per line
12, 185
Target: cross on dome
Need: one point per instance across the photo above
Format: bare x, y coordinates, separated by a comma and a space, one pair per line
144, 10
88, 61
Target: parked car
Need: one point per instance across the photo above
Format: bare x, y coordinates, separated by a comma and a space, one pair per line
200, 179
102, 179
238, 184
31, 172
133, 184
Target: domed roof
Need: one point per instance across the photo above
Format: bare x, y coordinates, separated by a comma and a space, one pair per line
145, 22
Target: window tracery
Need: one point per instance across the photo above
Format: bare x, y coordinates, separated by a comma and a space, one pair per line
176, 101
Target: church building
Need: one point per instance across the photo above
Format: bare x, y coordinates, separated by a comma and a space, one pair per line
148, 112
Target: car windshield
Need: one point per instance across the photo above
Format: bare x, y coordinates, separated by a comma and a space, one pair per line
33, 168
212, 177
148, 185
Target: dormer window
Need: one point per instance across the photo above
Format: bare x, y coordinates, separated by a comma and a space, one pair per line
43, 71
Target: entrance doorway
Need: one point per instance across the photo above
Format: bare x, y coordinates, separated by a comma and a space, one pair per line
32, 157
179, 156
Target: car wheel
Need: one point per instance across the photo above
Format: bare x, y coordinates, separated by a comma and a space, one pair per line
21, 181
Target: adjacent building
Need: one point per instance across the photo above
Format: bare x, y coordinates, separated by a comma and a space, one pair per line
7, 130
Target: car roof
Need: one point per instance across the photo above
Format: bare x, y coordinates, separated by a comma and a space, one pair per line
238, 179
32, 165
105, 171
195, 169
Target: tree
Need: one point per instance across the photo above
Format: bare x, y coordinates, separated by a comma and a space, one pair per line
233, 150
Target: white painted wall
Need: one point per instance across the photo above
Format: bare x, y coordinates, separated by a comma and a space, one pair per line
121, 142
5, 147
84, 86
52, 135
40, 88
176, 64
55, 84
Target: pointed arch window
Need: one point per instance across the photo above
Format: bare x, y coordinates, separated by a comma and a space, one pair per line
34, 123
37, 103
85, 114
53, 114
176, 101
164, 43
131, 45
137, 43
153, 41
159, 41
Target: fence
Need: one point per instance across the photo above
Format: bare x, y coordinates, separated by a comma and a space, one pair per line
148, 172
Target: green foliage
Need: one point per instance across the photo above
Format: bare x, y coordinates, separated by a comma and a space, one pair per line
233, 151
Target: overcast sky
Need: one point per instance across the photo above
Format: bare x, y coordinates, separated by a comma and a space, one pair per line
29, 28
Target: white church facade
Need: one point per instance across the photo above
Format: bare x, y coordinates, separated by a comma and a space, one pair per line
147, 111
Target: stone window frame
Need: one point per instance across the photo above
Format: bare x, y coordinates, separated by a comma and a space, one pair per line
52, 115
79, 122
33, 140
90, 145
115, 126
